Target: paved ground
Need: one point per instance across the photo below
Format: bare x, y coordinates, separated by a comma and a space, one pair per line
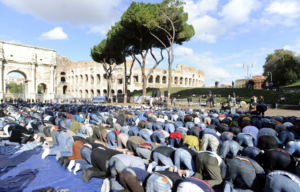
269, 112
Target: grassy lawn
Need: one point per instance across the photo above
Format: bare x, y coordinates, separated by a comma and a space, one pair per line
222, 94
294, 84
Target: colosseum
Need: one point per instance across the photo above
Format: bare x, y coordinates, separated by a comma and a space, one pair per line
62, 78
85, 79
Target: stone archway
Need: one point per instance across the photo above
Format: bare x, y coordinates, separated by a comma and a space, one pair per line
37, 65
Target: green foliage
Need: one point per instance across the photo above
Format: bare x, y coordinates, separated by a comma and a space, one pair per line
11, 85
290, 76
244, 94
284, 66
40, 89
16, 88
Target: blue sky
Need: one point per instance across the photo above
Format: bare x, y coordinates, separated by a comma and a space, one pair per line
228, 32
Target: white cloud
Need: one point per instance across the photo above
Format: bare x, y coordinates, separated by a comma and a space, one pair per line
183, 51
200, 7
239, 65
14, 41
237, 12
55, 34
295, 48
282, 12
88, 13
208, 28
287, 8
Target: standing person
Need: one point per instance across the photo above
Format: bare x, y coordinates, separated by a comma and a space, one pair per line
211, 100
209, 92
278, 85
261, 100
199, 100
277, 103
174, 101
207, 101
229, 100
150, 102
189, 100
232, 84
267, 85
271, 85
251, 104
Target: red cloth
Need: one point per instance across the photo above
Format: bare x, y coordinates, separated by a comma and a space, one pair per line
176, 135
69, 116
117, 134
76, 151
55, 127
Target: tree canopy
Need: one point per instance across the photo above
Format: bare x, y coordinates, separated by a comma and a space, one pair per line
284, 66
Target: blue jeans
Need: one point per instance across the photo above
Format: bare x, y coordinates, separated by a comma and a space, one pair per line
245, 171
226, 137
200, 104
278, 183
149, 126
86, 154
115, 166
145, 135
293, 147
244, 139
159, 158
182, 156
61, 138
158, 137
124, 129
229, 146
82, 129
111, 140
133, 131
189, 103
156, 184
170, 128
189, 125
182, 130
157, 126
175, 140
96, 119
286, 136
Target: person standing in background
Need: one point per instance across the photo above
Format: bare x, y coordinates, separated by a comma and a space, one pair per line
261, 100
278, 85
232, 84
199, 101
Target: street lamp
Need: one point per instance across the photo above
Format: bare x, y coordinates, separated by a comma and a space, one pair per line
247, 65
269, 72
115, 69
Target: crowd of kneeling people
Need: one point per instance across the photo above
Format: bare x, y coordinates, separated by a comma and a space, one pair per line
156, 150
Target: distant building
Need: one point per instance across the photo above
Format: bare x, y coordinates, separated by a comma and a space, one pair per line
258, 81
225, 86
240, 83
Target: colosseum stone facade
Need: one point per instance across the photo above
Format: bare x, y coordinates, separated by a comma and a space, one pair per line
62, 78
85, 79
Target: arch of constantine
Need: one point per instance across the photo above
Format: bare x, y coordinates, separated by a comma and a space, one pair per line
36, 64
62, 78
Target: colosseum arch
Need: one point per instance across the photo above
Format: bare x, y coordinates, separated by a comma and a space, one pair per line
120, 78
92, 79
98, 79
86, 78
120, 92
150, 80
81, 79
176, 80
181, 81
104, 92
135, 78
98, 92
86, 93
190, 82
157, 79
92, 93
80, 93
186, 82
164, 79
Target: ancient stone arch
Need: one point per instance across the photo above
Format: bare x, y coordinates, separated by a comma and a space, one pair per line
36, 64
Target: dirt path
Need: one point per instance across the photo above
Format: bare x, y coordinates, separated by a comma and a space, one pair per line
269, 112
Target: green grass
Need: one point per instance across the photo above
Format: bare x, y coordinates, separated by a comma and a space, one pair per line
222, 94
294, 84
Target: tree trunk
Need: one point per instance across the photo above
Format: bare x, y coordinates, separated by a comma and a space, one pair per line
169, 83
144, 80
109, 89
125, 89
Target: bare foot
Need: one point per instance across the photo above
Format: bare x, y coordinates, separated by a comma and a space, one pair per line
171, 169
181, 172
